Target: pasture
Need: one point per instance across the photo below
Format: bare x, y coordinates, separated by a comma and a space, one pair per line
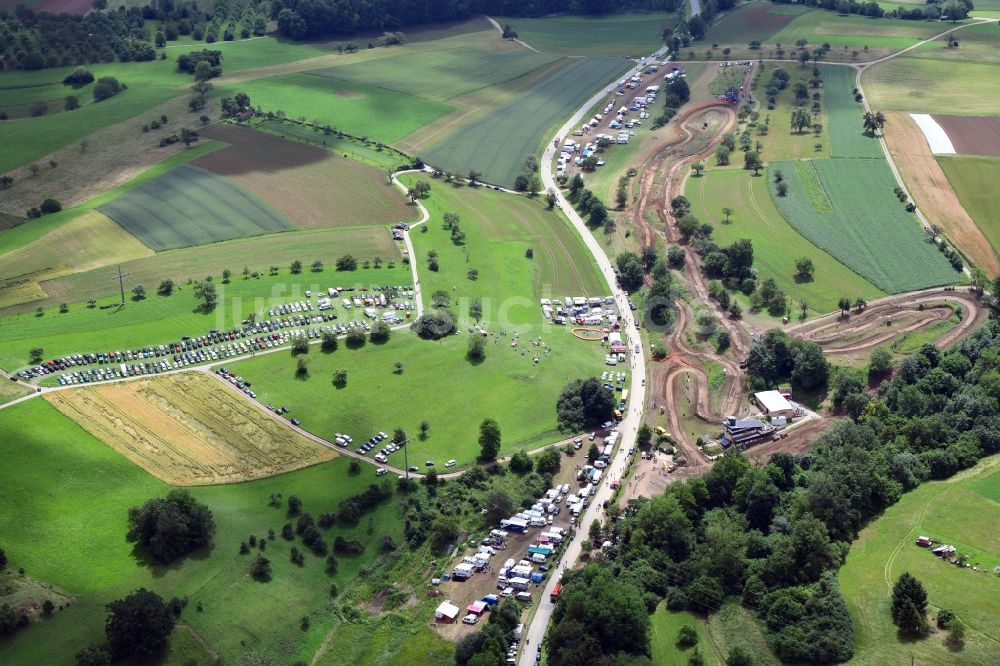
191, 206
444, 74
160, 319
923, 85
189, 429
776, 243
977, 43
497, 143
508, 386
869, 35
868, 230
360, 109
847, 138
974, 180
664, 625
499, 230
310, 186
886, 548
615, 35
82, 510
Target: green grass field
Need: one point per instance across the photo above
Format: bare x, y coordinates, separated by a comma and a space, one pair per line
922, 85
856, 32
160, 319
71, 495
886, 548
663, 638
441, 75
499, 229
497, 143
191, 206
974, 181
629, 34
846, 136
776, 243
868, 229
356, 108
507, 385
977, 43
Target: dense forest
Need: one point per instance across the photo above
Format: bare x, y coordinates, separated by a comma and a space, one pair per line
772, 538
35, 40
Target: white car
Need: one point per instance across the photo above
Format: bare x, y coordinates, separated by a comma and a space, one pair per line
450, 463
381, 471
471, 618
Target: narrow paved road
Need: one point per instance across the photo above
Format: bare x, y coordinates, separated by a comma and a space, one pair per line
632, 418
695, 8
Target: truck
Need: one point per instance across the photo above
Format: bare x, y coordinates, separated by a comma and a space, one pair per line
462, 571
514, 525
555, 591
544, 550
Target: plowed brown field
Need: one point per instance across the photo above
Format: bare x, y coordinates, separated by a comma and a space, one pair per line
312, 187
972, 135
186, 430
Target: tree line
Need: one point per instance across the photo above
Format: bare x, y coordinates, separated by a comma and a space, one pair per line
772, 538
299, 19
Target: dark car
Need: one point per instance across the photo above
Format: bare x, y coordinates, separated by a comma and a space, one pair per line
411, 468
295, 422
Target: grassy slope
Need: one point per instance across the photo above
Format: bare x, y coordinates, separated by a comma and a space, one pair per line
663, 638
508, 385
497, 143
632, 34
868, 229
974, 180
159, 319
776, 243
356, 108
977, 43
71, 494
442, 75
886, 548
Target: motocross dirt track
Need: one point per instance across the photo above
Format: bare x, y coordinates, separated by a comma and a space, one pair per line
865, 330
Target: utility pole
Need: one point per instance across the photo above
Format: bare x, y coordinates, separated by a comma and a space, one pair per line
121, 284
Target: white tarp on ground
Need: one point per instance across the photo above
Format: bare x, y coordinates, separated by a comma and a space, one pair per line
936, 137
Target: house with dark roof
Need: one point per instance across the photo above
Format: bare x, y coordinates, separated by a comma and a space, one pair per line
745, 432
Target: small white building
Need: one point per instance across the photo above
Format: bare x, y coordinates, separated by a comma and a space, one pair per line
773, 404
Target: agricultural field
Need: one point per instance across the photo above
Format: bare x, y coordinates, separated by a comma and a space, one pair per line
846, 135
663, 638
356, 108
89, 241
310, 186
753, 21
977, 43
972, 135
160, 319
974, 181
191, 206
923, 85
444, 74
508, 384
629, 34
497, 143
868, 229
83, 510
11, 391
188, 429
776, 243
886, 548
